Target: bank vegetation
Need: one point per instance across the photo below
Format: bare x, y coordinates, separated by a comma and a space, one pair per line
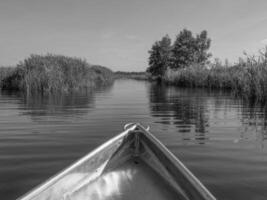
186, 63
53, 73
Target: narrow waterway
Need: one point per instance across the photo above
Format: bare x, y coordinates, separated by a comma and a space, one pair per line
222, 140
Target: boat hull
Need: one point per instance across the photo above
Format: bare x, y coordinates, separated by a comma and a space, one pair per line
132, 165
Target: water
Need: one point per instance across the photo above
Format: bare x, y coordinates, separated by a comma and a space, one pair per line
222, 140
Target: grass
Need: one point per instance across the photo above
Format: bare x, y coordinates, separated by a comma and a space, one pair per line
55, 73
248, 78
131, 75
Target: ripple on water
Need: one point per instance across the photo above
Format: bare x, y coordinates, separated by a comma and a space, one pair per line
220, 138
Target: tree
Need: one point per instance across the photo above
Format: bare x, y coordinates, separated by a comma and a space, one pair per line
188, 49
183, 49
202, 47
159, 56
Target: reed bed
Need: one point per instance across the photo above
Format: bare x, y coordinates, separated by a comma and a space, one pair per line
55, 73
248, 79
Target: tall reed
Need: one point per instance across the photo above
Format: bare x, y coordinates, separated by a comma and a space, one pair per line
55, 73
248, 78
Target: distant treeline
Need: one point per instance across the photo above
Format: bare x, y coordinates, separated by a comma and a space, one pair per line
131, 75
4, 72
53, 73
186, 63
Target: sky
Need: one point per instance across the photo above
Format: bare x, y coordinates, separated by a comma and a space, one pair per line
119, 33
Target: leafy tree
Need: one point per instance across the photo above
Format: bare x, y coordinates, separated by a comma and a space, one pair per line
183, 50
202, 46
154, 62
159, 56
188, 49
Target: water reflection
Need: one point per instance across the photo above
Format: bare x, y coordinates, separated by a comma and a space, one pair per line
179, 108
60, 105
199, 115
254, 122
107, 186
220, 138
128, 181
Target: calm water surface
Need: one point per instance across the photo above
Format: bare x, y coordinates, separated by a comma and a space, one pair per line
220, 139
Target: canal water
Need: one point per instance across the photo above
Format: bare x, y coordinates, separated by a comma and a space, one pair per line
221, 139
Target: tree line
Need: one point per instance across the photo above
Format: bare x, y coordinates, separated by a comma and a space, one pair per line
186, 50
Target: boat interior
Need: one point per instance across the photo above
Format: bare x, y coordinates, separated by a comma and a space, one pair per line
133, 165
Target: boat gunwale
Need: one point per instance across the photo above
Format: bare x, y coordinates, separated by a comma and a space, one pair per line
41, 187
182, 168
133, 128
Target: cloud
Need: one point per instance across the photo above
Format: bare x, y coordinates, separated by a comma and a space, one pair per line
264, 41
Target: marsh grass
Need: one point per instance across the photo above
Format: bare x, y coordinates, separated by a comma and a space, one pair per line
55, 73
248, 78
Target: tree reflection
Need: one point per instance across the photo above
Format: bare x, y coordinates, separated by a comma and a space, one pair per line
199, 114
183, 108
58, 104
254, 120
